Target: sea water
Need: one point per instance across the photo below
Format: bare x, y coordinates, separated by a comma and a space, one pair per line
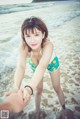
62, 20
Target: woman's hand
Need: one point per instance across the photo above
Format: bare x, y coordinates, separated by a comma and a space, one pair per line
15, 100
15, 90
26, 94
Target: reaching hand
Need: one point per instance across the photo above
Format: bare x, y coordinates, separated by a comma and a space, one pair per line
16, 100
26, 94
10, 92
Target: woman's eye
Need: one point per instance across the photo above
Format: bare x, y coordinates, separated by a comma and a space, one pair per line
36, 34
27, 36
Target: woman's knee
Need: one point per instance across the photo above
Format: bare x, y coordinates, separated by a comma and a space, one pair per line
39, 91
57, 88
39, 88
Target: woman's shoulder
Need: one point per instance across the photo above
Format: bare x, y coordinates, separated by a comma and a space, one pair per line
48, 42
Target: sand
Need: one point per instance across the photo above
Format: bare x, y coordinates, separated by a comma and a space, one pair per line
66, 39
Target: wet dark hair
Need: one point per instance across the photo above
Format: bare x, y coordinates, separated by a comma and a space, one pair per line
30, 24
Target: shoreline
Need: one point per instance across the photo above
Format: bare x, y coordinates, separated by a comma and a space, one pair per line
63, 24
56, 2
9, 2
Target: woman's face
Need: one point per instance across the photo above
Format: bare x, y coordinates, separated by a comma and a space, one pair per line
34, 39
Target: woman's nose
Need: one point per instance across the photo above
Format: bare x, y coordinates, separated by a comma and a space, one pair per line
32, 39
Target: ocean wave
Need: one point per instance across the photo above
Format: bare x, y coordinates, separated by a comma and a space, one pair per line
6, 9
9, 46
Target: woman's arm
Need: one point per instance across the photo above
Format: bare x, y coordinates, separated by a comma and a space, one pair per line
38, 75
20, 70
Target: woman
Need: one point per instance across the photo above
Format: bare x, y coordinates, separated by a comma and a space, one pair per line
36, 46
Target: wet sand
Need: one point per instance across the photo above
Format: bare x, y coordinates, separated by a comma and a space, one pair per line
66, 40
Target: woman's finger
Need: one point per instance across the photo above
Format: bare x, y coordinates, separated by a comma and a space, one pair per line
20, 93
10, 92
7, 93
24, 93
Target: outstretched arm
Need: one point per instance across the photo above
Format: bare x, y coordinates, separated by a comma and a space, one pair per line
39, 72
14, 102
20, 69
37, 77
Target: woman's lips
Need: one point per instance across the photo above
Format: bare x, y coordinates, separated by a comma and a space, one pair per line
34, 44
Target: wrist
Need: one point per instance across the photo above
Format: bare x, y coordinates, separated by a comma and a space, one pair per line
29, 88
15, 87
29, 91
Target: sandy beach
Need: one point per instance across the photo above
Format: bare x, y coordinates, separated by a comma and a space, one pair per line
63, 22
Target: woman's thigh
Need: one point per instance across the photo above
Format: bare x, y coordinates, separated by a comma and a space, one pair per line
55, 78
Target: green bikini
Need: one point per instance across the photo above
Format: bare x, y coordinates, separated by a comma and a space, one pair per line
52, 66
